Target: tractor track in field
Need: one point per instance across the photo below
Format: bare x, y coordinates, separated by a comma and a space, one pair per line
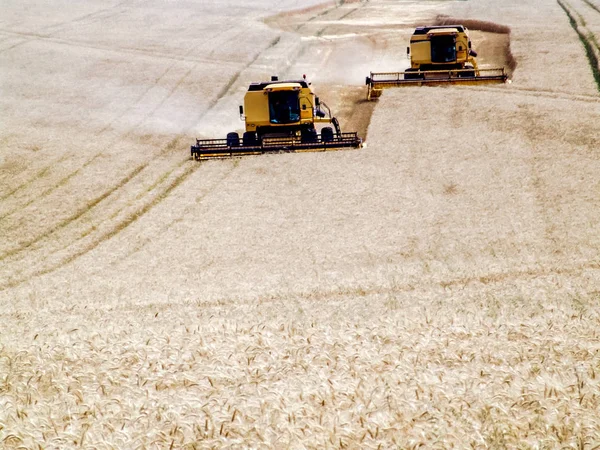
64, 180
90, 160
279, 20
35, 37
119, 226
146, 240
119, 184
104, 13
112, 144
143, 207
39, 174
591, 5
79, 213
93, 15
586, 36
486, 279
43, 194
61, 182
131, 217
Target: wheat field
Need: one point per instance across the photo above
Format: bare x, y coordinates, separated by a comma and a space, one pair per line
438, 288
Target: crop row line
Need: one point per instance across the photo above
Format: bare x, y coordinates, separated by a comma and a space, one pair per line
76, 215
117, 227
357, 291
144, 208
94, 202
587, 38
591, 5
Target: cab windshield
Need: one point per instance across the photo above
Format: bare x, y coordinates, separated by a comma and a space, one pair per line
443, 49
284, 107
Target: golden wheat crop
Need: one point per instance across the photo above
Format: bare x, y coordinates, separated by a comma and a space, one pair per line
438, 288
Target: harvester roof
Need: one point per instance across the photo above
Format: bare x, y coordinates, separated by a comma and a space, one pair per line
443, 32
283, 87
426, 30
272, 84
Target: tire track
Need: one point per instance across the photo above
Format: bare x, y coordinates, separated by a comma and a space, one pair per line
66, 23
117, 140
487, 279
90, 205
141, 211
39, 177
150, 88
111, 145
119, 50
586, 36
113, 231
133, 174
184, 213
323, 13
64, 180
111, 13
79, 213
39, 174
591, 5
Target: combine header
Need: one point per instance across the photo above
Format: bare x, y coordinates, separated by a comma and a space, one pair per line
280, 116
439, 55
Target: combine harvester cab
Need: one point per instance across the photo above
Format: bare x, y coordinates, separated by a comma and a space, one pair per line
279, 116
439, 55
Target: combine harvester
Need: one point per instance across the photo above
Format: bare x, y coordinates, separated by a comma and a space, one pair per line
280, 116
439, 55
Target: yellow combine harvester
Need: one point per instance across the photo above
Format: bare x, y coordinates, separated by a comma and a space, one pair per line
280, 116
439, 55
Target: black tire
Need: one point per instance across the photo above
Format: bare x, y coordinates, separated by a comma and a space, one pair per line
468, 74
249, 139
327, 134
411, 74
309, 135
233, 139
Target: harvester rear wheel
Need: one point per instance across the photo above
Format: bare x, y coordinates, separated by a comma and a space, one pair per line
233, 139
249, 139
327, 134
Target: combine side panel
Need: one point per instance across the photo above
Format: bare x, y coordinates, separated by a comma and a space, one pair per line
377, 81
218, 148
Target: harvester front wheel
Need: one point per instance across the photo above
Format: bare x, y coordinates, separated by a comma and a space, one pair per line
411, 74
249, 139
327, 134
233, 139
468, 73
309, 135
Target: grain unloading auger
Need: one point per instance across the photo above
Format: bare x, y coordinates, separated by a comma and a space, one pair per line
279, 116
439, 55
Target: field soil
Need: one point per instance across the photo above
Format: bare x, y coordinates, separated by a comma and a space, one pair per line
438, 288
